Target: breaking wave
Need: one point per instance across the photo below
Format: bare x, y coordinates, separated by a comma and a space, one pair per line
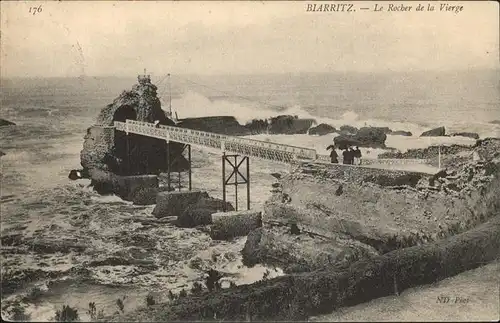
193, 104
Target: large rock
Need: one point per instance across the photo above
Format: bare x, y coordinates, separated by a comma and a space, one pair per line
227, 125
372, 137
192, 208
322, 129
227, 225
436, 132
145, 195
200, 213
348, 130
257, 126
365, 137
126, 187
289, 125
467, 134
122, 154
4, 123
174, 203
401, 133
344, 141
300, 252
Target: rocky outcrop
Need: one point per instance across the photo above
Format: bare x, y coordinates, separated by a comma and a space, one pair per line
365, 137
348, 130
289, 125
427, 153
322, 129
472, 135
115, 151
436, 132
372, 210
495, 122
401, 133
299, 296
129, 188
4, 123
228, 225
452, 155
200, 212
301, 251
226, 125
257, 126
191, 208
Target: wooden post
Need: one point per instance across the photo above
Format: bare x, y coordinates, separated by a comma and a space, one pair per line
179, 174
168, 165
248, 183
236, 182
189, 157
224, 181
128, 154
439, 157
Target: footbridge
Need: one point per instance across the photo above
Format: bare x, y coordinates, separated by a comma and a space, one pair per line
235, 151
247, 147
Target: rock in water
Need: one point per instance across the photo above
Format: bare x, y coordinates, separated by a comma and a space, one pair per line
322, 129
372, 137
257, 126
348, 130
436, 132
115, 151
227, 125
401, 133
4, 123
276, 175
467, 134
365, 137
289, 125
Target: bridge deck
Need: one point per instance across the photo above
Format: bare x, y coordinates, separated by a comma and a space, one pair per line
243, 146
250, 147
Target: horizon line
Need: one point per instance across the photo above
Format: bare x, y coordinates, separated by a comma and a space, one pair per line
259, 74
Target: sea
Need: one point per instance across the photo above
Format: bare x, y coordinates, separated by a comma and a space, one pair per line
52, 115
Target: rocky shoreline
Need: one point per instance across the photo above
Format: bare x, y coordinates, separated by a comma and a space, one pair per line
358, 240
299, 296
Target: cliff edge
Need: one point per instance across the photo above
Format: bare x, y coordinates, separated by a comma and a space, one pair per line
358, 212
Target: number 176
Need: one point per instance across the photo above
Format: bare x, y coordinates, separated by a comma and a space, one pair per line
34, 10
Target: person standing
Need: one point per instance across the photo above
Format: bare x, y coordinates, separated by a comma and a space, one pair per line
357, 156
346, 157
334, 157
333, 154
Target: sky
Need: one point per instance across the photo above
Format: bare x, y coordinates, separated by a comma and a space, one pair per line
111, 38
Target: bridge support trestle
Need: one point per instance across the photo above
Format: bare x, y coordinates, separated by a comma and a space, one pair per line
170, 164
235, 171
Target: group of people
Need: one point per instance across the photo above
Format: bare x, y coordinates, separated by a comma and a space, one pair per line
350, 156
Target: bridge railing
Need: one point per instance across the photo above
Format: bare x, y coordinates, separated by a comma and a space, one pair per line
384, 161
244, 146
